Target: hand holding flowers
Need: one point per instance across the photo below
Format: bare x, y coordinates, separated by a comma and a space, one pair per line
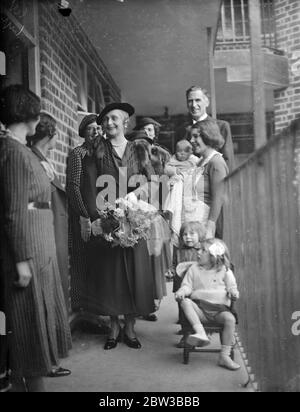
125, 223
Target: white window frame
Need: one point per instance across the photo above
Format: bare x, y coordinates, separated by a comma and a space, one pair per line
101, 95
82, 86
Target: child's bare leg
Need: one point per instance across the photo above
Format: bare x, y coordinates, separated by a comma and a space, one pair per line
228, 320
194, 315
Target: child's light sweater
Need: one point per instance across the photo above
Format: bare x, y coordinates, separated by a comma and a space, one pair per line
209, 285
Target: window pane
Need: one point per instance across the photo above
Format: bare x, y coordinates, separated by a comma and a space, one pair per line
228, 23
81, 87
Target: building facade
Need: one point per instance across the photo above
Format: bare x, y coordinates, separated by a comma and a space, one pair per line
280, 41
53, 56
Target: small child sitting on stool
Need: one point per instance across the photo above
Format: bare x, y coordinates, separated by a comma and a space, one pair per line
205, 296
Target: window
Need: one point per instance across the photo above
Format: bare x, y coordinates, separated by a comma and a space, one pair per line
18, 43
89, 90
234, 24
82, 86
95, 95
91, 93
99, 98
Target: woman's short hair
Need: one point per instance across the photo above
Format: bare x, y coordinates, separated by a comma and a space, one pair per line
18, 104
45, 128
210, 133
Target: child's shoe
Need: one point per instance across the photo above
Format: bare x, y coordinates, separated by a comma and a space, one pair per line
200, 338
226, 362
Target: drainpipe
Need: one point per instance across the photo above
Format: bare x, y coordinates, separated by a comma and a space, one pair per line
258, 84
210, 44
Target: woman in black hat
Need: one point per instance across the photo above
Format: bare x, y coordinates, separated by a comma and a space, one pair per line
159, 155
79, 218
151, 127
160, 234
120, 280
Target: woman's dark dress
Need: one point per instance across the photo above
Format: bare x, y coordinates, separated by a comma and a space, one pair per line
120, 281
77, 247
37, 314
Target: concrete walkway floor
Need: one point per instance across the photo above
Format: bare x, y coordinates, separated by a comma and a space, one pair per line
157, 367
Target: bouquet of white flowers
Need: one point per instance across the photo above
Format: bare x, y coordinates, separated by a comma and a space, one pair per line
125, 223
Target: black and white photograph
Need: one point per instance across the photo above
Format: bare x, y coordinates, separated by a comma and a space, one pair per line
149, 198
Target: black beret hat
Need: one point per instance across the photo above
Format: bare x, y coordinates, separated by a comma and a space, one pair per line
126, 107
90, 118
147, 120
139, 135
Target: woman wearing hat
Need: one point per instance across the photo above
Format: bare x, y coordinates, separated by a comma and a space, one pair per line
120, 280
159, 155
79, 218
159, 242
151, 127
41, 144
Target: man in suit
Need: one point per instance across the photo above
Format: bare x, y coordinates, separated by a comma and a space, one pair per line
197, 103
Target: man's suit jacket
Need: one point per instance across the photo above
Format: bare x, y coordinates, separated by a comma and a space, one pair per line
227, 150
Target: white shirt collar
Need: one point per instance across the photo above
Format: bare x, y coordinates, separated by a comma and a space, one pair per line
204, 117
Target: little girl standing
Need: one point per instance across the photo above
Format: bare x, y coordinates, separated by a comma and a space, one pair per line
191, 234
205, 296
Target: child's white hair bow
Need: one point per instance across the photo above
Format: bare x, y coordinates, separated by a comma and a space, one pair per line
217, 249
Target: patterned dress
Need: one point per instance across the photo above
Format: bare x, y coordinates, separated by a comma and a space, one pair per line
77, 247
37, 314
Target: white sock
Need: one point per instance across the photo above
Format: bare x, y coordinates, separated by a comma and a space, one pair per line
226, 350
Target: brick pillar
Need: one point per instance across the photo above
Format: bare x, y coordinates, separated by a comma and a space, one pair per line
287, 102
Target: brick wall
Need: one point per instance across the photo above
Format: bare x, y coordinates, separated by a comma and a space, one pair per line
62, 41
287, 102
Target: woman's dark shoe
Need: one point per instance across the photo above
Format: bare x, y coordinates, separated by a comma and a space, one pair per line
59, 373
132, 343
151, 317
111, 343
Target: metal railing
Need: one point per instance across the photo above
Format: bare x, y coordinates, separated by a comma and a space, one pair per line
234, 23
262, 228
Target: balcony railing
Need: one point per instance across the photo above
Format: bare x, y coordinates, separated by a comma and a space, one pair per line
234, 25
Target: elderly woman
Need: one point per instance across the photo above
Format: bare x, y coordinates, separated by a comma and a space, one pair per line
41, 144
207, 185
36, 309
79, 218
120, 280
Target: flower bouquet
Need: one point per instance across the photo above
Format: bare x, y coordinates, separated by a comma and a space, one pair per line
125, 223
